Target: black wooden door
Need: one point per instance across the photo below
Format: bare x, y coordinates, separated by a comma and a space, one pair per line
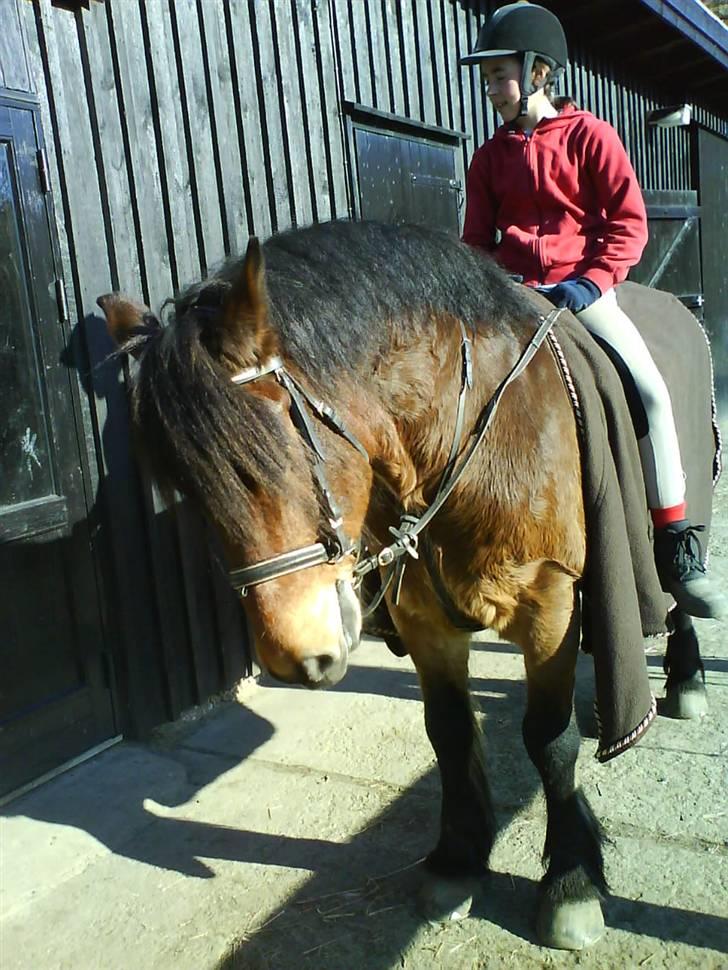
55, 696
671, 260
712, 178
401, 170
406, 180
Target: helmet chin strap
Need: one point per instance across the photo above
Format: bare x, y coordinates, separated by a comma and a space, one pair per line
527, 86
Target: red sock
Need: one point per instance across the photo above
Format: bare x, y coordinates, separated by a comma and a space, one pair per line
663, 517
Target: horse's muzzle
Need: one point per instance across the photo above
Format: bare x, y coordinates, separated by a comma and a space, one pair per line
325, 670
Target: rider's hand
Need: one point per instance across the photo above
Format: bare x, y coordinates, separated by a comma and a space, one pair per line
575, 295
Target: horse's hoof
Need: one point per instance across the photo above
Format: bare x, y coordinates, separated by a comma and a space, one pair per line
687, 701
569, 925
443, 900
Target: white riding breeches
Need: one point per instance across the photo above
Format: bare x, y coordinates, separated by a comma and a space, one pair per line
659, 448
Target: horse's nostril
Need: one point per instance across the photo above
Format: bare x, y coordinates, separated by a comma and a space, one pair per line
316, 667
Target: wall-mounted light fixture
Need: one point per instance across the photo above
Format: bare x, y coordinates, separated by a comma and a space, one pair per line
675, 116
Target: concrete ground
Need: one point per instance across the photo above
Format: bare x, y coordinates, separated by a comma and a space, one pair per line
281, 831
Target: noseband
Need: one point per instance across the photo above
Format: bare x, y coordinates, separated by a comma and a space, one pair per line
394, 556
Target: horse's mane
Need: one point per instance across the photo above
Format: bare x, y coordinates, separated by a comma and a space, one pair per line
338, 290
339, 293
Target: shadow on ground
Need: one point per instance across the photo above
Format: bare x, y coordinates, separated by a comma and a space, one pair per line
362, 911
357, 908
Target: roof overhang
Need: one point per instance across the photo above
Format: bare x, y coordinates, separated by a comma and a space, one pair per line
678, 45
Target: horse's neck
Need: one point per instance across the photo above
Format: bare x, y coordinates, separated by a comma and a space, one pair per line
420, 389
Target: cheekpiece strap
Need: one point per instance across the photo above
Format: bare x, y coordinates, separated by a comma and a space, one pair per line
259, 370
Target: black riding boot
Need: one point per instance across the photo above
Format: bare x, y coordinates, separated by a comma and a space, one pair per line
680, 567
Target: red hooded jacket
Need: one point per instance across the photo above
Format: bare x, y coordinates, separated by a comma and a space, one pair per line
564, 197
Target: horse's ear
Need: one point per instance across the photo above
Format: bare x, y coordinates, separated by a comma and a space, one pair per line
125, 318
245, 309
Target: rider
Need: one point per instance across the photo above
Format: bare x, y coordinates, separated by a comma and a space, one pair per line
554, 197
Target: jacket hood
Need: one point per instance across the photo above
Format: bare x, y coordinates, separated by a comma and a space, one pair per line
568, 115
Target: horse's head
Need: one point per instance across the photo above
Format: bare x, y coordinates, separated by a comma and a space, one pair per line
217, 416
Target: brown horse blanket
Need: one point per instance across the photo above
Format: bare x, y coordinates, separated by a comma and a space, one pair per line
622, 601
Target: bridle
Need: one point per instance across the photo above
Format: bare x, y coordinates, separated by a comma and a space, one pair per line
332, 549
393, 557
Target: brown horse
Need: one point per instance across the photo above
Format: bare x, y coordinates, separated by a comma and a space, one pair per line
408, 335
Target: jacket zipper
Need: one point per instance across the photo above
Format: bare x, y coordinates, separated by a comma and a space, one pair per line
529, 154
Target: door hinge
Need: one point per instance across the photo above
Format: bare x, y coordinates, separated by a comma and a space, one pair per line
61, 299
45, 182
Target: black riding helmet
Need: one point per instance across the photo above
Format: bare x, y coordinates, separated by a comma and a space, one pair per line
526, 29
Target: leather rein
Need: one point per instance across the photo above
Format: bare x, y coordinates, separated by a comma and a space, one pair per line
393, 557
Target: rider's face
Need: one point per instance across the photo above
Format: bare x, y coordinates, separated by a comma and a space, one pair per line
502, 79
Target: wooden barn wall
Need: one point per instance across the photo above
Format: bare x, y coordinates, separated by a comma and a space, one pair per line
176, 129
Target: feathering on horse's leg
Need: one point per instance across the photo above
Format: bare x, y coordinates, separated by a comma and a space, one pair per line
685, 694
467, 827
570, 915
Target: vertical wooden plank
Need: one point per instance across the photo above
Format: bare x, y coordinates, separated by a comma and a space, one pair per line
656, 150
144, 162
592, 102
331, 108
663, 158
625, 120
610, 87
390, 23
170, 600
440, 64
224, 124
110, 154
649, 146
590, 99
14, 70
199, 604
294, 112
602, 93
468, 35
250, 121
573, 84
344, 52
381, 81
421, 22
454, 76
204, 170
271, 109
450, 86
583, 85
175, 172
639, 127
457, 73
231, 626
316, 130
686, 182
673, 156
410, 71
637, 108
466, 84
480, 103
359, 39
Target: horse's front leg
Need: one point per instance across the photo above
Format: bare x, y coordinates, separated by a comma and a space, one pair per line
685, 695
467, 825
547, 629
